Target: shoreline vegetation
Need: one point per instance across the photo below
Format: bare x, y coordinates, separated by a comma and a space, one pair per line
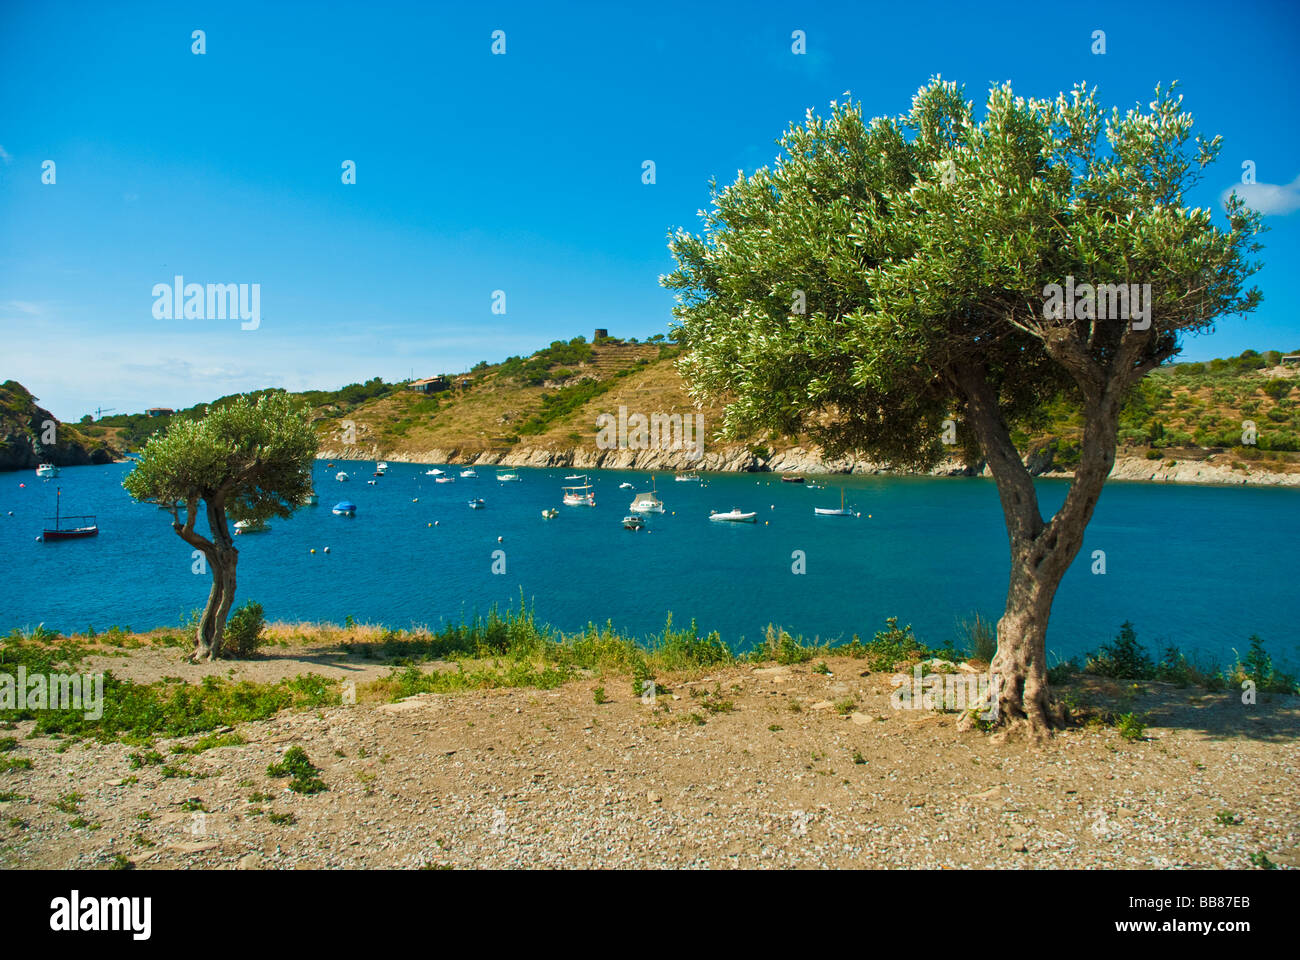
501, 742
511, 649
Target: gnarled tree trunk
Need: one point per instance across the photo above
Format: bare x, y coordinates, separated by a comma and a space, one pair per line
222, 559
1041, 551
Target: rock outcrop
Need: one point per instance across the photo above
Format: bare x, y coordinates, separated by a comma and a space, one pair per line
24, 428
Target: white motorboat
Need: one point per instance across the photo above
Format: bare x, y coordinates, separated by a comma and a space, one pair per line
508, 477
625, 486
251, 526
47, 471
647, 502
688, 477
381, 466
469, 474
340, 476
550, 513
476, 503
734, 515
435, 472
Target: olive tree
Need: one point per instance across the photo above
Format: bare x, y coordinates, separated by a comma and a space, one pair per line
888, 284
250, 459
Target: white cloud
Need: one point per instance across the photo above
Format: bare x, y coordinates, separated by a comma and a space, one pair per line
4, 154
1268, 198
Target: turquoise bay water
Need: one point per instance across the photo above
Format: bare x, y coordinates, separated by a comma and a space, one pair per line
1201, 567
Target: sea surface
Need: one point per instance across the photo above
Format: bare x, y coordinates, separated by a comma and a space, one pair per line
1197, 566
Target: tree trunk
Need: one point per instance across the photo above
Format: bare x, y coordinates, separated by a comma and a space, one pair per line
1041, 551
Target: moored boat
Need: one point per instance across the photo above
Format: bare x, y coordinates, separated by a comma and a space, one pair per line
688, 477
581, 495
843, 511
47, 471
340, 476
444, 479
791, 478
647, 502
633, 522
83, 526
550, 513
251, 526
345, 508
469, 474
734, 515
476, 503
508, 477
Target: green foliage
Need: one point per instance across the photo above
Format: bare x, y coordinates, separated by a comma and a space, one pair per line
244, 631
1125, 659
1131, 726
304, 776
534, 370
979, 636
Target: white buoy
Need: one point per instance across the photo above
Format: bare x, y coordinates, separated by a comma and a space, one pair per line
499, 539
327, 549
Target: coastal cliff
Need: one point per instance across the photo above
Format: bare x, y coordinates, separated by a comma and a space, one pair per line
25, 427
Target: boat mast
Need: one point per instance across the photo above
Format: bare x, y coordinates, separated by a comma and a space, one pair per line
58, 495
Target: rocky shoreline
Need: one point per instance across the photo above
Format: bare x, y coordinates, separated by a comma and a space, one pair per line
737, 458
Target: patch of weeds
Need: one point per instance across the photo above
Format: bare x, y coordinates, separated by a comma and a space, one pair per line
282, 818
858, 758
304, 776
1262, 861
845, 706
1226, 818
193, 803
120, 862
821, 667
1131, 726
599, 695
15, 763
68, 803
146, 759
775, 727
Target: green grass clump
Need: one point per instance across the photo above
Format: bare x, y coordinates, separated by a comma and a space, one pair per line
303, 774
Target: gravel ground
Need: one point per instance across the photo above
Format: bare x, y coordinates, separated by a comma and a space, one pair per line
745, 767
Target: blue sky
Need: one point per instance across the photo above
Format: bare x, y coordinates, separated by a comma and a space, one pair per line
478, 172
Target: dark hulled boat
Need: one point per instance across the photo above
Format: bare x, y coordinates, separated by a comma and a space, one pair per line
83, 526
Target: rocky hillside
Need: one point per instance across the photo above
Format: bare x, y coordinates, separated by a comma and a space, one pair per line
1187, 423
25, 429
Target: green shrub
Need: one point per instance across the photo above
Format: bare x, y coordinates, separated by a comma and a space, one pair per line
244, 631
1124, 659
304, 776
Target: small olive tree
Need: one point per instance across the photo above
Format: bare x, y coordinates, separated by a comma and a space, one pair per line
245, 460
885, 277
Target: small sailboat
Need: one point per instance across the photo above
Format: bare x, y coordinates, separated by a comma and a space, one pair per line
582, 495
633, 522
550, 513
340, 476
476, 503
647, 502
469, 474
84, 526
47, 471
508, 477
575, 476
689, 476
734, 515
843, 511
345, 508
251, 526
